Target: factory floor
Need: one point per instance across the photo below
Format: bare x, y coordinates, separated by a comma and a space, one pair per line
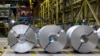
6, 51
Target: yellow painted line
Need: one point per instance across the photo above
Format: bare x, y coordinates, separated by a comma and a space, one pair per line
30, 1
33, 54
69, 54
0, 54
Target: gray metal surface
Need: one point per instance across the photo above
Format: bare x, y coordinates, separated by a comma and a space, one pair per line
68, 34
21, 38
35, 29
95, 27
98, 33
70, 30
52, 38
83, 38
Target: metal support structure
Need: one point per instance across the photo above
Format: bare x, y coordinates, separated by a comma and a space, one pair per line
43, 11
51, 11
75, 2
63, 14
85, 10
63, 18
56, 11
99, 13
79, 13
30, 1
72, 12
94, 15
48, 9
98, 3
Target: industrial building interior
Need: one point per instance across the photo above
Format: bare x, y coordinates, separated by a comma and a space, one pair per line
49, 27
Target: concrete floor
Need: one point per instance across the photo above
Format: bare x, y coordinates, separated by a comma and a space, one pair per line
40, 52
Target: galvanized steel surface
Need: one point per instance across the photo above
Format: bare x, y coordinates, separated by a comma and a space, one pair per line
83, 38
21, 38
52, 38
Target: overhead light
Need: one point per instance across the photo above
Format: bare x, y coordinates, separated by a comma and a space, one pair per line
12, 21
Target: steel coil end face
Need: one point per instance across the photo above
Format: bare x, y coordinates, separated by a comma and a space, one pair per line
83, 39
21, 38
98, 33
52, 38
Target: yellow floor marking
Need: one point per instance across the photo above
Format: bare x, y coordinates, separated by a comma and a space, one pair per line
33, 54
69, 54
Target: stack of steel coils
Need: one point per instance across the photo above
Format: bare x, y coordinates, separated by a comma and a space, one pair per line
53, 39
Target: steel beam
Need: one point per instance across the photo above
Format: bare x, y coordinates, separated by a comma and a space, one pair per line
94, 15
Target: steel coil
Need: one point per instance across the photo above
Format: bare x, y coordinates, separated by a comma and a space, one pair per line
83, 38
52, 38
21, 38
